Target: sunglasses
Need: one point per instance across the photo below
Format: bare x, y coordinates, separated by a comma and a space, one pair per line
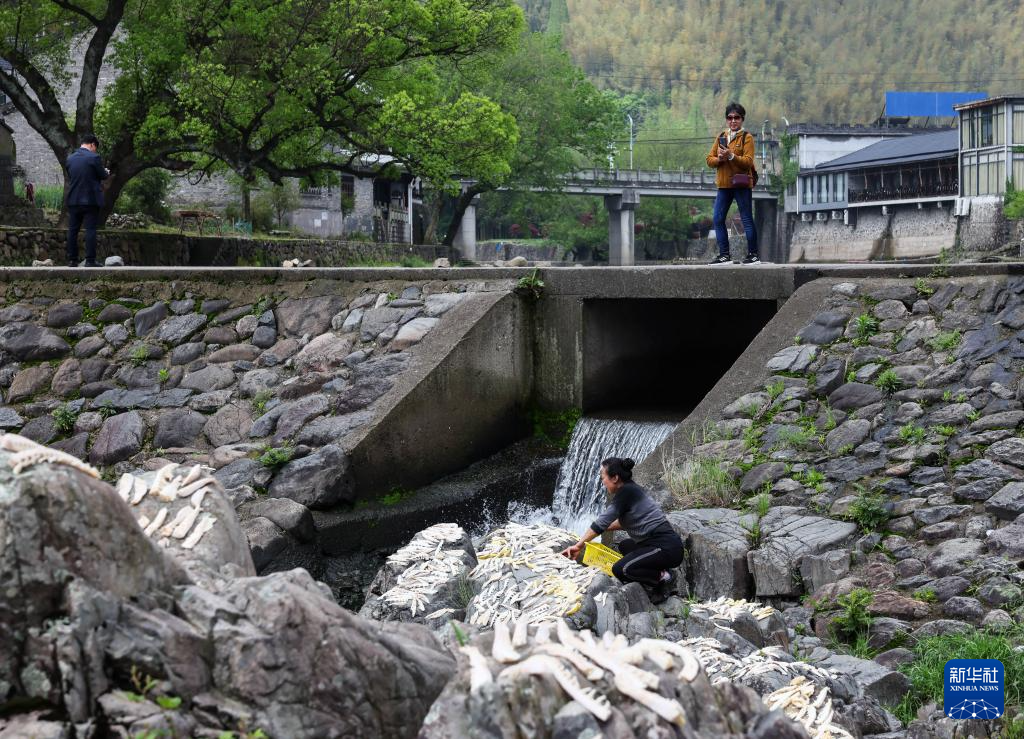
734, 118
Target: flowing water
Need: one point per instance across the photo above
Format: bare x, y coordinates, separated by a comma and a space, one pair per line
579, 495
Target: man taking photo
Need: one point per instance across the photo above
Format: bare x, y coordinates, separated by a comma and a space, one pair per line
85, 196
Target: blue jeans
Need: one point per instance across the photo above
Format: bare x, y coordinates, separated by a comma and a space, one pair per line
744, 198
76, 215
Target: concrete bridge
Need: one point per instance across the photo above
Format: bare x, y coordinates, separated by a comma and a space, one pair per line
622, 190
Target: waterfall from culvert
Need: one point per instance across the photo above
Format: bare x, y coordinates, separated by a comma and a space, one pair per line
579, 495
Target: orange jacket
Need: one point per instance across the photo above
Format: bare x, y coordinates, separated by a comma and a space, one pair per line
742, 145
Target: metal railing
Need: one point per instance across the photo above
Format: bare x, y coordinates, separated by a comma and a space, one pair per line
701, 179
904, 193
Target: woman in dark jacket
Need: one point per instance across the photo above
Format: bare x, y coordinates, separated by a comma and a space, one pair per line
654, 547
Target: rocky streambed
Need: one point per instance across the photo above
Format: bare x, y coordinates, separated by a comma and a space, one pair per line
860, 498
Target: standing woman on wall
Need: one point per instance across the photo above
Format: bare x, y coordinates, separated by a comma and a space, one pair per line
732, 154
653, 548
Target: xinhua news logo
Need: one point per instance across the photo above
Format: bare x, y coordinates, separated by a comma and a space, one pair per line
974, 689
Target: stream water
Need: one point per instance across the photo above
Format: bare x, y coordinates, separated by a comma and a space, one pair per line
579, 495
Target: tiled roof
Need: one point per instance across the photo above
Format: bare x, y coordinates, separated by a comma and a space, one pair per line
922, 147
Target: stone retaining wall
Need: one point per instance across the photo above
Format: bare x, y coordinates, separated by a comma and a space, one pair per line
908, 233
20, 246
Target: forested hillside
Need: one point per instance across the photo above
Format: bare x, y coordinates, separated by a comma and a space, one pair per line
807, 60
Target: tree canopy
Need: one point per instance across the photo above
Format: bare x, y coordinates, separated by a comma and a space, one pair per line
563, 121
294, 88
802, 59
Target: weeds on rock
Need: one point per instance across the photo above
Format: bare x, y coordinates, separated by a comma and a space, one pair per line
869, 511
923, 288
912, 434
700, 483
462, 591
865, 326
531, 286
106, 410
64, 417
945, 341
888, 382
853, 620
259, 402
139, 355
926, 595
276, 457
775, 390
163, 374
554, 427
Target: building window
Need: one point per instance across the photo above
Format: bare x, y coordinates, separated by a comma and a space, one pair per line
1018, 124
348, 185
808, 196
823, 194
986, 138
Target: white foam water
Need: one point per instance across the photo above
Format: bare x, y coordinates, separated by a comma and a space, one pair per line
579, 495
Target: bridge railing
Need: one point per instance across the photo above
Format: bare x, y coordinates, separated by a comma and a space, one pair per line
701, 179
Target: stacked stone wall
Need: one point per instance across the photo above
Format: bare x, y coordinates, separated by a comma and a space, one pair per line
20, 246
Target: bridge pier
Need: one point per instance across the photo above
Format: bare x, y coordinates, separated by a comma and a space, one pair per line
465, 237
621, 231
766, 213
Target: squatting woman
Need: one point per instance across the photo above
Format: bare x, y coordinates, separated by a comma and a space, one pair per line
653, 549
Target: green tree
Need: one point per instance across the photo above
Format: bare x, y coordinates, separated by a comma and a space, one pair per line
563, 121
147, 193
282, 89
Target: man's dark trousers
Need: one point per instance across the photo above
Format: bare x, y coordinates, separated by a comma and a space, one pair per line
77, 215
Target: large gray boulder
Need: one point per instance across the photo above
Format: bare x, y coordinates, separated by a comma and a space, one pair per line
1008, 503
178, 428
321, 480
89, 599
119, 438
298, 316
27, 342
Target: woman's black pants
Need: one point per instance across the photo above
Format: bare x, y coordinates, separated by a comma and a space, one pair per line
644, 562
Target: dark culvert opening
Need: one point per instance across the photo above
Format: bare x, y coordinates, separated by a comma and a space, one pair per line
663, 356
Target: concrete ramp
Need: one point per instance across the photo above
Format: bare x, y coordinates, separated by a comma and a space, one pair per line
462, 400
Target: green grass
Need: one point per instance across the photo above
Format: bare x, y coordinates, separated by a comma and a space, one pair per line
701, 483
864, 327
139, 355
944, 430
888, 382
868, 511
276, 456
926, 595
853, 620
64, 417
396, 496
932, 653
945, 341
798, 438
775, 390
923, 288
259, 402
912, 434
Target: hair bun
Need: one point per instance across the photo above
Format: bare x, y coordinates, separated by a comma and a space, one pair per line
628, 463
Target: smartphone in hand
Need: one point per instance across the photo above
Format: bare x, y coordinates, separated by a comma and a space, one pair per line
723, 142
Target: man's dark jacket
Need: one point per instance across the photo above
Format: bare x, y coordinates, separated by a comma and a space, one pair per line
85, 171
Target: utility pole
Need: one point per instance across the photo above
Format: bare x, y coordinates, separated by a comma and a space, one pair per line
630, 140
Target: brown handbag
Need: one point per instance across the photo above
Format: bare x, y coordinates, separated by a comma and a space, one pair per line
741, 179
